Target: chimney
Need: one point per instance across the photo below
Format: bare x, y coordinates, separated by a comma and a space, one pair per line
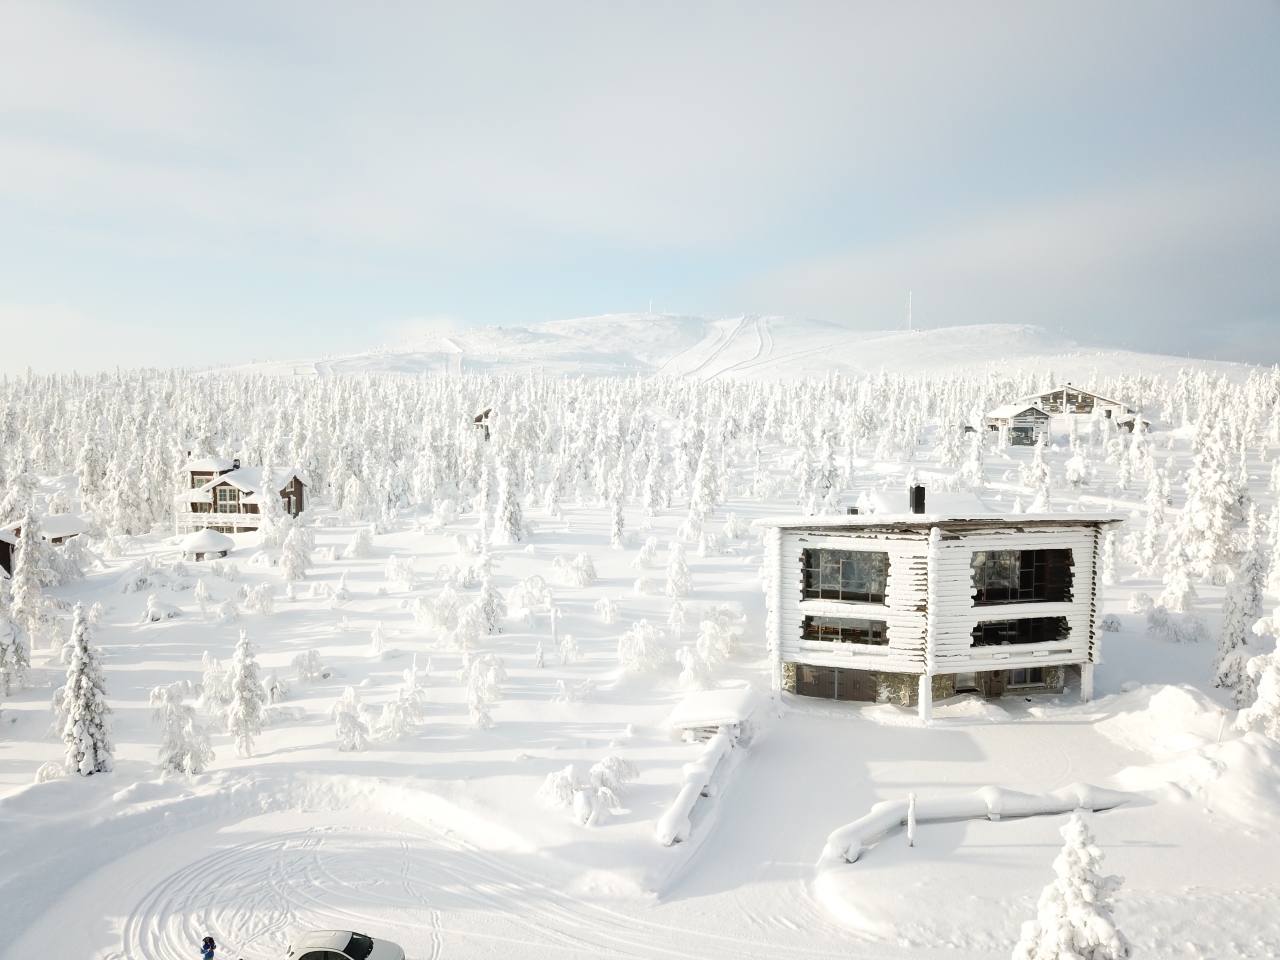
917, 499
235, 465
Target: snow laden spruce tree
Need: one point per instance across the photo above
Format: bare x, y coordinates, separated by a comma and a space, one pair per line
244, 714
82, 703
1073, 918
679, 579
508, 519
15, 653
28, 598
1241, 609
184, 745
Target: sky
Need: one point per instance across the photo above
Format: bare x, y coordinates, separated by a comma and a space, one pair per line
197, 184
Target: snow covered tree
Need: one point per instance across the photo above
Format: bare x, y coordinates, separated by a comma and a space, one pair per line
295, 559
82, 702
617, 524
493, 609
361, 545
352, 732
15, 652
1241, 609
1109, 558
1178, 592
28, 599
1073, 919
244, 714
1264, 712
569, 650
696, 672
639, 648
679, 579
607, 610
508, 520
184, 746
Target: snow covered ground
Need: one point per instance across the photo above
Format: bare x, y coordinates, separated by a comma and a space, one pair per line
745, 348
439, 840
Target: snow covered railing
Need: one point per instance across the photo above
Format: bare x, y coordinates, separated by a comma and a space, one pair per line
674, 825
849, 841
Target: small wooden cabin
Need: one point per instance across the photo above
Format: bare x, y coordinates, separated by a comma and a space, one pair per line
1025, 425
56, 528
221, 495
923, 604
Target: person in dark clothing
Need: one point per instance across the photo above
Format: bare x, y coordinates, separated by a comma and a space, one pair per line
207, 948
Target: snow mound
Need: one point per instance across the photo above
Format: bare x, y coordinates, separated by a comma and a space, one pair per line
1163, 721
715, 708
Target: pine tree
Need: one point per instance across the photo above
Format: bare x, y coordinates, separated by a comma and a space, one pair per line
295, 559
508, 518
184, 746
1241, 609
679, 579
244, 715
82, 701
28, 600
617, 523
15, 652
1264, 674
1073, 918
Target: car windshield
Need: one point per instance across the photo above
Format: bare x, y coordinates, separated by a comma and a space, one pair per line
359, 947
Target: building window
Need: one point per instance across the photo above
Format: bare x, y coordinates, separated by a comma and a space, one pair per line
994, 633
837, 630
1030, 677
228, 501
853, 576
1021, 576
834, 683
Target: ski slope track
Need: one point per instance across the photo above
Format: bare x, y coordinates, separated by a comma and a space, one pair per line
748, 347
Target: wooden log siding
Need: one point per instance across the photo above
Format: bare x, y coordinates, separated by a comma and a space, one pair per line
928, 604
904, 609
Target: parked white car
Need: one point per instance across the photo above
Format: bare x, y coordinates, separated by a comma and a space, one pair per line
342, 945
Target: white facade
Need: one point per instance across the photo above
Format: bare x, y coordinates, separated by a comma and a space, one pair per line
929, 605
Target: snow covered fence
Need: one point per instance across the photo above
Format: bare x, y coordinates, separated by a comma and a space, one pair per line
849, 841
674, 825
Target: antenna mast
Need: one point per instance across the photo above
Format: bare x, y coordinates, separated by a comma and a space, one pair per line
908, 310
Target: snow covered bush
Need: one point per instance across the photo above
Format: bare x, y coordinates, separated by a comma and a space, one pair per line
645, 587
260, 599
295, 558
567, 694
416, 679
244, 713
639, 648
493, 609
378, 638
696, 672
158, 610
528, 594
274, 689
1073, 917
184, 745
352, 732
361, 545
82, 704
648, 555
308, 666
400, 572
1109, 624
1140, 603
569, 651
735, 528
607, 610
679, 579
49, 771
565, 788
609, 778
677, 618
579, 572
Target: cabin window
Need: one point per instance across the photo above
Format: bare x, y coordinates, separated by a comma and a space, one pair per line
228, 501
838, 630
853, 576
1030, 677
995, 633
834, 683
1021, 576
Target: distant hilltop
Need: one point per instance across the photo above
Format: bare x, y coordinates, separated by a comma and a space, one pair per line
750, 347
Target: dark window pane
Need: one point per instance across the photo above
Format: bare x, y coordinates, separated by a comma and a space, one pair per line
840, 630
1035, 630
1021, 576
848, 575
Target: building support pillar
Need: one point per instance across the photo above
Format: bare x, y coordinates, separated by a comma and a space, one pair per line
926, 698
1086, 682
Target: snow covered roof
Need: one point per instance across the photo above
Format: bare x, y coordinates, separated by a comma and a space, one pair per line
929, 518
246, 479
7, 534
62, 525
207, 541
715, 708
209, 465
1009, 410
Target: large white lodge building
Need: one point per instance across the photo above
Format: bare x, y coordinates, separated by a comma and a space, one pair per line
922, 604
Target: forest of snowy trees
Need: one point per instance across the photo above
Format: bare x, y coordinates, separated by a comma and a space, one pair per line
377, 448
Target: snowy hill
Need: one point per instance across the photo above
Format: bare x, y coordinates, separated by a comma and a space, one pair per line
744, 347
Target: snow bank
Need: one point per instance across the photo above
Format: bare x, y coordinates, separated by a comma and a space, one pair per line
715, 708
1164, 721
991, 803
